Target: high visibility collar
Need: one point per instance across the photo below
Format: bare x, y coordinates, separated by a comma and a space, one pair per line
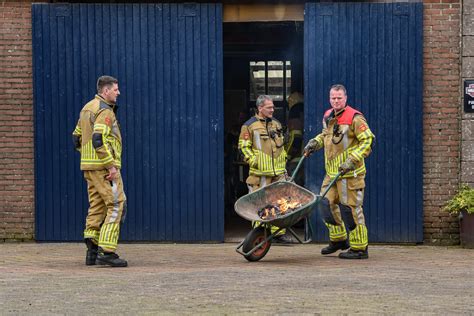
345, 116
336, 114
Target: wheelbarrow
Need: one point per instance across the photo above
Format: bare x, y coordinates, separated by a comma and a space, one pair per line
258, 241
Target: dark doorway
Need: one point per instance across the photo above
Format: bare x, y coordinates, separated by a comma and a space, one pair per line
259, 58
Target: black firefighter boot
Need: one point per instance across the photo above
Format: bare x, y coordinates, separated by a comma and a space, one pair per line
335, 246
91, 254
355, 254
110, 259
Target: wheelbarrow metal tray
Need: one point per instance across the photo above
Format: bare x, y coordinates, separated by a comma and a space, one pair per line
248, 205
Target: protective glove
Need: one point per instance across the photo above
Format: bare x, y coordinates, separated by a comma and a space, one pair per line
311, 147
346, 166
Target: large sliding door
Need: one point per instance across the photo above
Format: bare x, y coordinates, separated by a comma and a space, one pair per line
375, 50
168, 59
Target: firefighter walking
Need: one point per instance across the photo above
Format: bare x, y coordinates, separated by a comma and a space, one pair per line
347, 140
97, 137
261, 142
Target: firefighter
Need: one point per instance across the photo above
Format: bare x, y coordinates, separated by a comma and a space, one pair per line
347, 141
97, 137
261, 142
294, 145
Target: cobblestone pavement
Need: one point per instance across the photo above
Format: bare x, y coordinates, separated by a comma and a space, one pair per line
193, 279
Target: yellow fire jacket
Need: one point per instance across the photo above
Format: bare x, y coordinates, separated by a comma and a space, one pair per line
261, 143
97, 136
294, 147
345, 135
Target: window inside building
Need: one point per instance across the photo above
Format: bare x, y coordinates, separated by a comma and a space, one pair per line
270, 77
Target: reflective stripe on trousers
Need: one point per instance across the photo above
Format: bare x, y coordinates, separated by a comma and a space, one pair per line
107, 205
353, 199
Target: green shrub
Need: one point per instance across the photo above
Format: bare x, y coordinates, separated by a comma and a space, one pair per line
462, 201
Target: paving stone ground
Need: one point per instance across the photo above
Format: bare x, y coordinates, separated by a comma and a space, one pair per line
185, 279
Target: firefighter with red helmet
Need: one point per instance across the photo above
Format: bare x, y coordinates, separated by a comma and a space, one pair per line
347, 141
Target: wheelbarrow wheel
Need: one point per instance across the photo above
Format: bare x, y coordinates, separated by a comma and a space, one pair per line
256, 236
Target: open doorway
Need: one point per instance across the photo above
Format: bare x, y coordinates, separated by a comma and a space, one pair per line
259, 58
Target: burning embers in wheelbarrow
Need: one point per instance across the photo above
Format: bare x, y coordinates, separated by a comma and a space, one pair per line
281, 207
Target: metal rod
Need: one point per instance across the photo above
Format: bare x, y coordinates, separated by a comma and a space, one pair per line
330, 184
297, 168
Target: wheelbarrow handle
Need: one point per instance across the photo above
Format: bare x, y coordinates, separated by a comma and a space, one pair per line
333, 180
297, 168
327, 188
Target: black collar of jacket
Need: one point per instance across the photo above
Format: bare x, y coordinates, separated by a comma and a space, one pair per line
333, 114
264, 119
114, 106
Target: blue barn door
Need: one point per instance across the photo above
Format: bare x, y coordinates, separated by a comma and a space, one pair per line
168, 59
375, 50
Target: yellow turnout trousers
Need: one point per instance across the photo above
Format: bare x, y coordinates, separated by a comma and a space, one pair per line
348, 192
107, 208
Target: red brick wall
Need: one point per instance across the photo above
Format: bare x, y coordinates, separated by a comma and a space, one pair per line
441, 111
16, 122
441, 119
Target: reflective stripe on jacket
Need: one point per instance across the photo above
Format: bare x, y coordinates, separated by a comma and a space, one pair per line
261, 143
98, 117
345, 135
295, 145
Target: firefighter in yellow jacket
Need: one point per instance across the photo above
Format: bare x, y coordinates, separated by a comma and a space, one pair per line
261, 142
97, 137
294, 145
347, 140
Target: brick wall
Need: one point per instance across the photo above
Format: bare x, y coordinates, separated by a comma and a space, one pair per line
467, 148
441, 111
441, 119
16, 122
